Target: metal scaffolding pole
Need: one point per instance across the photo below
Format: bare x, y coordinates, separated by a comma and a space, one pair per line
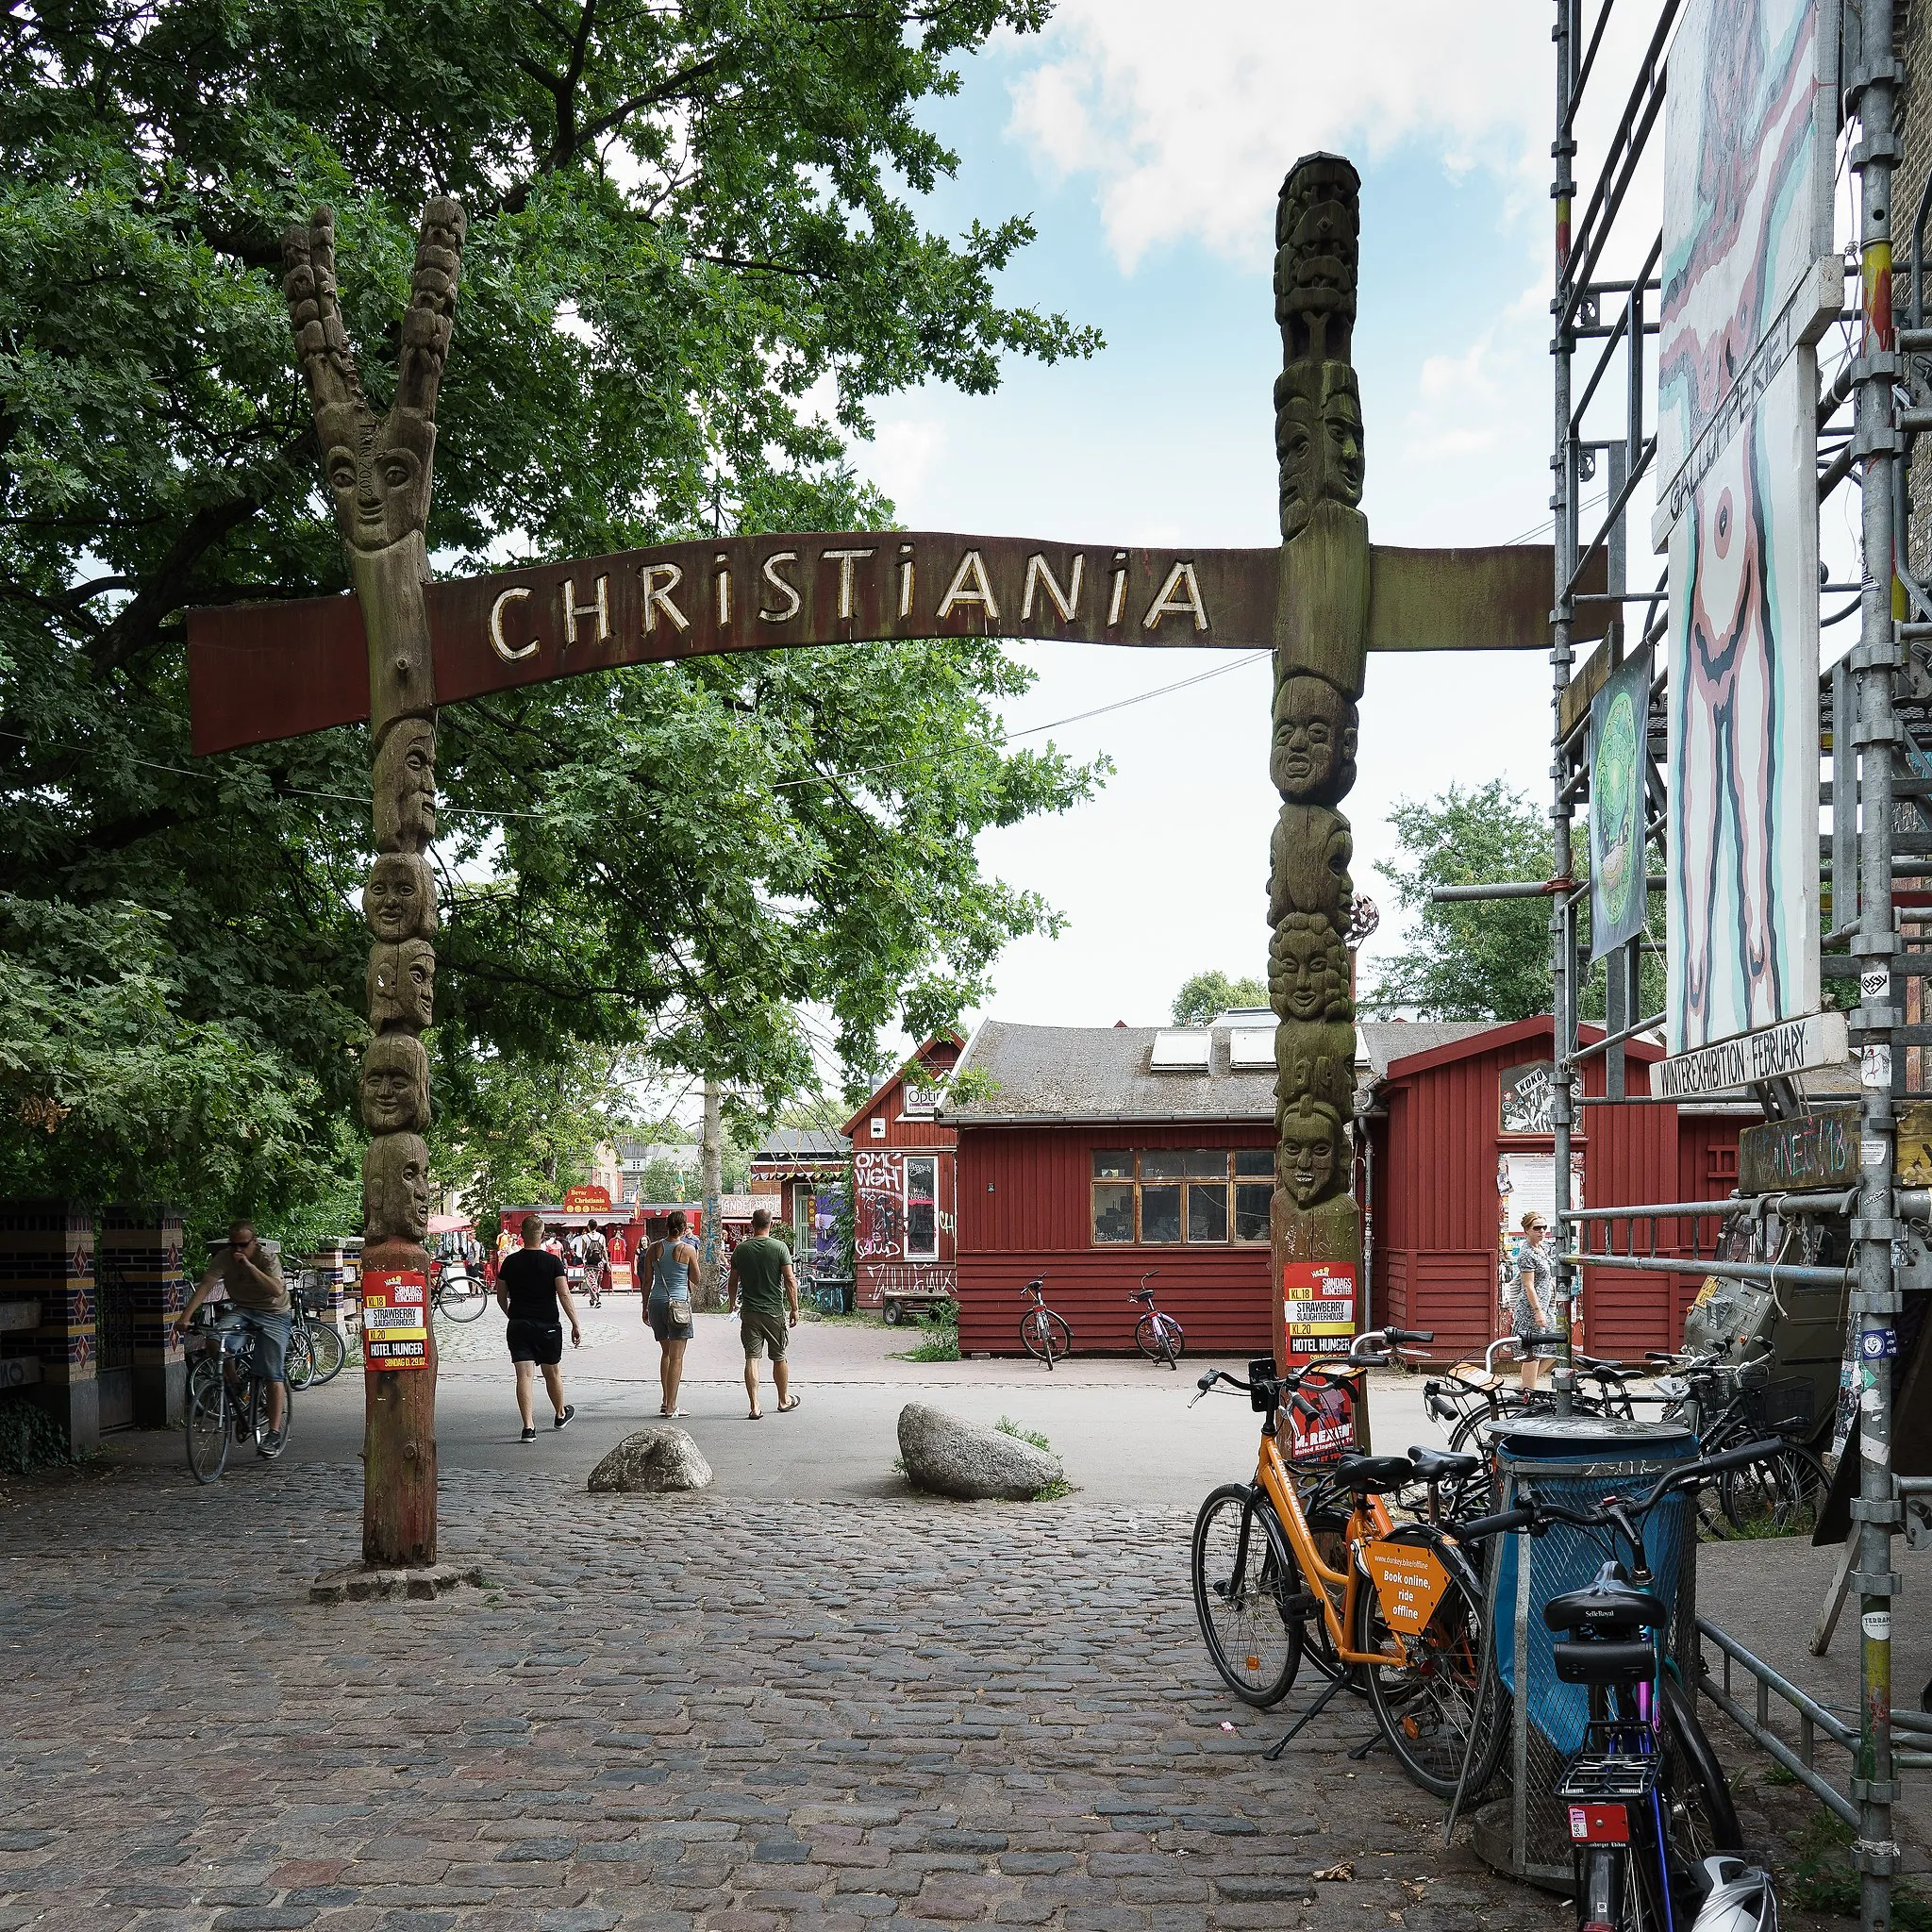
1875, 947
1563, 470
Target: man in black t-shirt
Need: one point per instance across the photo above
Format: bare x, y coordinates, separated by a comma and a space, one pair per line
530, 1286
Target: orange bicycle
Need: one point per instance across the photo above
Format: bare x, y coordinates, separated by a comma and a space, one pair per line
1308, 1560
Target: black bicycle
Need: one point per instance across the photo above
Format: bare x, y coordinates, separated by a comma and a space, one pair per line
460, 1293
1648, 1801
1156, 1335
1043, 1334
227, 1393
316, 1351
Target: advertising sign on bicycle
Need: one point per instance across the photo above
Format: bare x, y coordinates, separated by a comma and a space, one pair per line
396, 1316
1329, 1432
1318, 1305
1409, 1582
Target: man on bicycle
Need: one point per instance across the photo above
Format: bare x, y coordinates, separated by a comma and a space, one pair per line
255, 1290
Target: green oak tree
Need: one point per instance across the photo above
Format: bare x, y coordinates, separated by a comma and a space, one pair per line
695, 260
1487, 959
1207, 994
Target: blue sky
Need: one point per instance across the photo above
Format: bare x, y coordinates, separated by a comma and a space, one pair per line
1149, 159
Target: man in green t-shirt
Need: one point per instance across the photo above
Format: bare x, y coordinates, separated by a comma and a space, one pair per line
765, 1290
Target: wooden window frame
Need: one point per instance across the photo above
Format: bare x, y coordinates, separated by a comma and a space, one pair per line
906, 1202
1229, 1181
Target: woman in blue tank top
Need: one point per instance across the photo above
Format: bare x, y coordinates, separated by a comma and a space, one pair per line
671, 1266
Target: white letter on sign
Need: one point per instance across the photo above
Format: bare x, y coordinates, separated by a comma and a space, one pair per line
599, 608
958, 592
794, 603
1038, 571
497, 642
844, 559
657, 596
1170, 603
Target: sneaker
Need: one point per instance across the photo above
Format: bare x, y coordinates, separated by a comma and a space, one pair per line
562, 1421
271, 1445
528, 1436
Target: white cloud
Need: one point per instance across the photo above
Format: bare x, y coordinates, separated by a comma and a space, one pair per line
1189, 128
902, 454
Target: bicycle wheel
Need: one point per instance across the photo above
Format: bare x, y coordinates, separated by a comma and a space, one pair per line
1432, 1702
1148, 1337
1694, 1809
326, 1348
206, 1419
257, 1400
1173, 1343
1246, 1592
463, 1298
1044, 1336
298, 1359
1780, 1496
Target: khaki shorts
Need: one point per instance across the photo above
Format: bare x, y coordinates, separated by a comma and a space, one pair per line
760, 1331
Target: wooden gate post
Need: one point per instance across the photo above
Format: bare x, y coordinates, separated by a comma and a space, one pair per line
378, 473
1320, 641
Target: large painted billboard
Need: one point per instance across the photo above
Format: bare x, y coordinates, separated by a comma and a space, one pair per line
1619, 758
1749, 280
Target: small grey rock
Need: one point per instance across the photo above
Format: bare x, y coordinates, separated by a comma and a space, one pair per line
953, 1459
651, 1461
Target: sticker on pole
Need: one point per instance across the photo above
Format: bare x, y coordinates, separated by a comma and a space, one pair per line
1317, 1306
1409, 1582
395, 1331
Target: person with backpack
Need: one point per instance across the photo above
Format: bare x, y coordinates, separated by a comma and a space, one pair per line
670, 1270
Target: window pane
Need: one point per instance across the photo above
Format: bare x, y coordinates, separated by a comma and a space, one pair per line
1160, 1215
1207, 1211
922, 1217
1259, 1160
1251, 1210
1113, 1211
1113, 1166
1208, 1163
1163, 1163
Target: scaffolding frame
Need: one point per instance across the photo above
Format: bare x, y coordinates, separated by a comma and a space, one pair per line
1599, 329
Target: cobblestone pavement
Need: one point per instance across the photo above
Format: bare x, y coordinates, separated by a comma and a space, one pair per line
708, 1713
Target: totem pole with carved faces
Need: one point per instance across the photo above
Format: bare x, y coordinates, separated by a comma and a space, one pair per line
378, 473
1319, 652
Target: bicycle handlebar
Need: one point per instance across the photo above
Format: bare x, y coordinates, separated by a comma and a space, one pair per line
1537, 1515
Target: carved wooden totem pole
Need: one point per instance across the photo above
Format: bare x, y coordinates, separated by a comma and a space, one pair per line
1319, 652
378, 470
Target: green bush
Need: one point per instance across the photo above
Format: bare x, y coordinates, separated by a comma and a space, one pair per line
29, 1437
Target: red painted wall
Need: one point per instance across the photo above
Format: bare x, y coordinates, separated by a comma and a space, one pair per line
1025, 1209
1434, 1228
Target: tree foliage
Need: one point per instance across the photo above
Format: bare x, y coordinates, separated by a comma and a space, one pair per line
1209, 994
1485, 958
693, 263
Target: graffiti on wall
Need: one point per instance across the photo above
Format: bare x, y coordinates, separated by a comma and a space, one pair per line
878, 1220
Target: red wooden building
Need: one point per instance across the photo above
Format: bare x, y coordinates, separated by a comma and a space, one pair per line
1093, 1153
1455, 1144
905, 1206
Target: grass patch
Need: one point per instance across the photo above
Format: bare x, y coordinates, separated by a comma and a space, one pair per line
1054, 1491
1822, 1878
941, 1345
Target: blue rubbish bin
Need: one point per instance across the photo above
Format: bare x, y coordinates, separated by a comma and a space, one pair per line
1578, 1461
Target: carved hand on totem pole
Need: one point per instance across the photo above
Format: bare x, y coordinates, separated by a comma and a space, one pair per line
1321, 653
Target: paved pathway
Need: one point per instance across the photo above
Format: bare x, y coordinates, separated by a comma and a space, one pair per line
694, 1713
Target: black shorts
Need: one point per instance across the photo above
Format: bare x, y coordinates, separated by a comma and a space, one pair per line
535, 1342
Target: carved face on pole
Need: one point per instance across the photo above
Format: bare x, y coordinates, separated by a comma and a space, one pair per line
395, 1188
404, 786
1309, 1156
399, 901
402, 986
378, 473
1312, 761
1317, 253
1310, 852
1318, 438
395, 1085
1307, 977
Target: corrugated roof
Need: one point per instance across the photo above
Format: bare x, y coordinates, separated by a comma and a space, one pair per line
802, 1143
1378, 1041
1049, 1074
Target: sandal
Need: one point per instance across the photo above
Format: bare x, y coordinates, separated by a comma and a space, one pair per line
790, 1403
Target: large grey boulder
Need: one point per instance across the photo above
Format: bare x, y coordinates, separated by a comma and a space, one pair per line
953, 1459
652, 1461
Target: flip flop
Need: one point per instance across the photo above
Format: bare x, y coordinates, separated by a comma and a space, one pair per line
758, 1415
790, 1402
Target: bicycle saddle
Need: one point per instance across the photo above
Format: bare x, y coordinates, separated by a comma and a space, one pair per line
1611, 1608
1440, 1466
1373, 1476
1142, 1295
